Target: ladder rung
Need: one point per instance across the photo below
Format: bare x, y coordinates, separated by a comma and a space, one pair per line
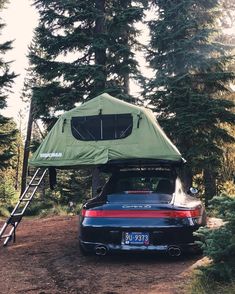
17, 214
6, 236
25, 199
34, 185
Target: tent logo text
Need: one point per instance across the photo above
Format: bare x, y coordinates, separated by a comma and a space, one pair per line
50, 155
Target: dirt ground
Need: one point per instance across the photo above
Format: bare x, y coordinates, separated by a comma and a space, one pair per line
46, 259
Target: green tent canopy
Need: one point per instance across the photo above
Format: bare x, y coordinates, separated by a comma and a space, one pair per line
101, 131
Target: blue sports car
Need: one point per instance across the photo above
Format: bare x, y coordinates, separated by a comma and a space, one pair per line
141, 209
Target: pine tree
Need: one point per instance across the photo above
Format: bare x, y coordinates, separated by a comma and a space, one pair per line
7, 136
190, 76
88, 49
74, 186
9, 167
122, 62
225, 181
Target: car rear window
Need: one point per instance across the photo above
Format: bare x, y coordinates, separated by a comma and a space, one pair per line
144, 183
144, 188
152, 198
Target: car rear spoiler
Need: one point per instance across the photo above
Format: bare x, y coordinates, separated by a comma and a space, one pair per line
140, 164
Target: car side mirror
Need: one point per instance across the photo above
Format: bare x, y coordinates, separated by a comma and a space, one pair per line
193, 191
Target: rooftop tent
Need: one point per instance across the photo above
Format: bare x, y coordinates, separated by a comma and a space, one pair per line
104, 130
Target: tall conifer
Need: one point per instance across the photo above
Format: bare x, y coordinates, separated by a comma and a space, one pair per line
190, 76
88, 49
7, 134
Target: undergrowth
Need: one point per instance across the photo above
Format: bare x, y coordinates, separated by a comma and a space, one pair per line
203, 285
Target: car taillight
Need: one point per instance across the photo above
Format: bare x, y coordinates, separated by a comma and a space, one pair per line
82, 215
195, 213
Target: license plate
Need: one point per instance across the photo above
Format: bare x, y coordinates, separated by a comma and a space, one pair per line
135, 238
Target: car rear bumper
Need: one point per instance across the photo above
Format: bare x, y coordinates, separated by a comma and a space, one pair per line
92, 246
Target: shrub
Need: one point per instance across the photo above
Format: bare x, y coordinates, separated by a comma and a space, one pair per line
8, 198
4, 212
36, 207
219, 244
55, 210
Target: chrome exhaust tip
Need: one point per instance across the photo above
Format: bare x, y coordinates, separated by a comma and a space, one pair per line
174, 251
101, 250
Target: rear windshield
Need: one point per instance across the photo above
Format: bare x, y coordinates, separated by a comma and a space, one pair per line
141, 188
152, 198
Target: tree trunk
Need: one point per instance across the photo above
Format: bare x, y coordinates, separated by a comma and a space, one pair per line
186, 176
95, 181
100, 51
17, 167
100, 62
19, 148
26, 148
125, 37
127, 84
210, 185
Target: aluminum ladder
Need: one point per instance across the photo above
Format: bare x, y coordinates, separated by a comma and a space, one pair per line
8, 230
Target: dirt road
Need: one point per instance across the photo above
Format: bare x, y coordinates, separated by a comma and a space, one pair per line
46, 259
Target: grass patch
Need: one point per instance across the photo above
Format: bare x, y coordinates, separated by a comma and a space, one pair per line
44, 209
203, 285
61, 210
56, 210
35, 208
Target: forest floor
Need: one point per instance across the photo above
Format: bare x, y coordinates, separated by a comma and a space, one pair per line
45, 260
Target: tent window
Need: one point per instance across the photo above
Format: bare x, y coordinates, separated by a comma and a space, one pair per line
102, 127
